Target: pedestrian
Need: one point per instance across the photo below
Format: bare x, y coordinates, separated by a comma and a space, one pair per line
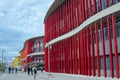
34, 72
25, 69
16, 69
41, 68
9, 69
31, 71
28, 70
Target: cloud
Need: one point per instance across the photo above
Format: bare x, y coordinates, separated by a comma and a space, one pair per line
19, 21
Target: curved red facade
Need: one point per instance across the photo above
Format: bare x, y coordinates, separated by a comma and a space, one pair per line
32, 53
83, 37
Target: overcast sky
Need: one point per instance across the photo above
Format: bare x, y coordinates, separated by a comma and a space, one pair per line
19, 21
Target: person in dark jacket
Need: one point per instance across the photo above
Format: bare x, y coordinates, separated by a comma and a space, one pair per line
28, 70
16, 70
31, 71
9, 69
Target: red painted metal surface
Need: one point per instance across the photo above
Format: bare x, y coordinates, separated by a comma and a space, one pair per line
103, 47
92, 50
80, 53
97, 50
110, 48
115, 45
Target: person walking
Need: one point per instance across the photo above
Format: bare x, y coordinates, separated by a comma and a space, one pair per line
9, 69
34, 72
31, 71
41, 68
16, 69
28, 70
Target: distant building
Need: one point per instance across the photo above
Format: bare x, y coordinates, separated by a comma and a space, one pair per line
83, 37
16, 61
32, 53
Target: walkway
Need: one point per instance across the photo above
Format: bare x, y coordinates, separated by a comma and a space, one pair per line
23, 76
45, 76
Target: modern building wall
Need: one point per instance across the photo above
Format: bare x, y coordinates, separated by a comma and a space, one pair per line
82, 37
32, 53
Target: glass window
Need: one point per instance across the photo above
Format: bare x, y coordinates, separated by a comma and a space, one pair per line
114, 62
94, 37
108, 62
101, 62
109, 3
111, 31
92, 9
97, 3
100, 36
115, 1
103, 4
119, 59
118, 29
106, 33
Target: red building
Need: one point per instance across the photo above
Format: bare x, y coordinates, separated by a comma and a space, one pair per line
32, 53
83, 37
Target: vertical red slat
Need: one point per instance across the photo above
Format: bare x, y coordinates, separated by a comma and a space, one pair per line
67, 56
97, 48
107, 5
95, 7
79, 12
82, 62
90, 3
75, 55
59, 47
110, 48
71, 17
112, 2
63, 55
92, 50
87, 9
103, 47
70, 55
72, 63
74, 14
115, 45
88, 53
82, 11
80, 53
85, 53
100, 4
68, 49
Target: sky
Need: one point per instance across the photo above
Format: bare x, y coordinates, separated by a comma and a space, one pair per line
20, 20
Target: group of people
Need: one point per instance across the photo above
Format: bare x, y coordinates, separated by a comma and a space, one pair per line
12, 69
33, 71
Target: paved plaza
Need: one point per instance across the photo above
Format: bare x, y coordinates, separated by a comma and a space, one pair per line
23, 76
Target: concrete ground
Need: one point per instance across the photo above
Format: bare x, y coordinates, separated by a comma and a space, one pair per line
47, 76
23, 76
